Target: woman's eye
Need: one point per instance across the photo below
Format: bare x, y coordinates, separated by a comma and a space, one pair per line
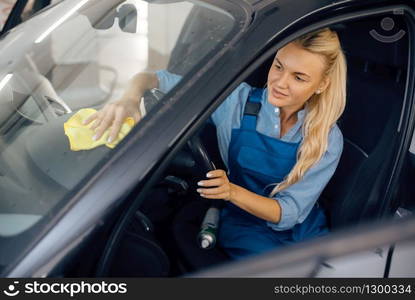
278, 67
299, 78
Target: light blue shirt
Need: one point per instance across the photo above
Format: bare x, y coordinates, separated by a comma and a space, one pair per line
297, 200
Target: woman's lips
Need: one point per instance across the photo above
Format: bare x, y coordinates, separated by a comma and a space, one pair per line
278, 94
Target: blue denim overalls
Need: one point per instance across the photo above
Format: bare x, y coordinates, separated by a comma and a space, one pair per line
255, 161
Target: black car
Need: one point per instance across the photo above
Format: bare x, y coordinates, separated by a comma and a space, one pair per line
117, 212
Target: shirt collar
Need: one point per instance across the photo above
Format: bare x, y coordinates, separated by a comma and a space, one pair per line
300, 114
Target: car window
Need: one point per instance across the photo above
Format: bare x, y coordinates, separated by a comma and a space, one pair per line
406, 189
21, 11
357, 191
79, 55
6, 7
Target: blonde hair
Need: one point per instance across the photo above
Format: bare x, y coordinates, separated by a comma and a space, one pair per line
324, 109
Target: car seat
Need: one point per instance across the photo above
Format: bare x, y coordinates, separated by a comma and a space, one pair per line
369, 124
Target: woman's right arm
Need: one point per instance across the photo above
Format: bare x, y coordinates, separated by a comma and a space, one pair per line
113, 114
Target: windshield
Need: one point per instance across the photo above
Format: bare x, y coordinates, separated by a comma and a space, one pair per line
77, 55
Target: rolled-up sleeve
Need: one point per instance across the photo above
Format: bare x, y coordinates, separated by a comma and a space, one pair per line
167, 80
231, 107
233, 103
297, 200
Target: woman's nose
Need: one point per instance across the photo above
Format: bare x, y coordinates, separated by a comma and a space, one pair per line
282, 81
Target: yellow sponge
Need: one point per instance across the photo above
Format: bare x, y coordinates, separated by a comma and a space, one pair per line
80, 136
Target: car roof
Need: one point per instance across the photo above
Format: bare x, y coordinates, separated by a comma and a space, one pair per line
258, 4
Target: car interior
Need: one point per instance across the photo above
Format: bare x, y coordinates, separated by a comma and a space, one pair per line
161, 238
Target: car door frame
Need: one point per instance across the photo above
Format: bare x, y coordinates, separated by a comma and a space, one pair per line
350, 240
306, 259
252, 57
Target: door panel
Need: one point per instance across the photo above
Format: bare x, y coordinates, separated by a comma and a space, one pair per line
403, 263
362, 264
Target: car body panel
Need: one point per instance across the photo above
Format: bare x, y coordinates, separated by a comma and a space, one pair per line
403, 264
289, 261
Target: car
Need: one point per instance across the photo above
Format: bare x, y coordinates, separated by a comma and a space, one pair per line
118, 212
13, 12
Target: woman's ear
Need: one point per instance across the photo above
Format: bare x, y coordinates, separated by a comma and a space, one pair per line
323, 85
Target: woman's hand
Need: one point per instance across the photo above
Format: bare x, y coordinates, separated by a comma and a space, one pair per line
113, 115
262, 207
223, 189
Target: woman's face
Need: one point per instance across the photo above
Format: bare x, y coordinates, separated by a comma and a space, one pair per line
295, 75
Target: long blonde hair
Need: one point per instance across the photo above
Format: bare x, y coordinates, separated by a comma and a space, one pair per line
323, 110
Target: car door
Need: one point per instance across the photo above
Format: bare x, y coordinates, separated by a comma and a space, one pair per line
349, 247
152, 144
382, 247
36, 154
402, 253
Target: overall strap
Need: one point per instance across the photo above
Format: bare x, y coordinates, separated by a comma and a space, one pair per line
252, 108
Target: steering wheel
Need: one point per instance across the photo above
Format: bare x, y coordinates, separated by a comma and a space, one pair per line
198, 152
199, 156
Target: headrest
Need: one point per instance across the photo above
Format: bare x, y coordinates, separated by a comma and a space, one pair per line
381, 39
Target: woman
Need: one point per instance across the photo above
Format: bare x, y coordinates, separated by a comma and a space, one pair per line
281, 144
